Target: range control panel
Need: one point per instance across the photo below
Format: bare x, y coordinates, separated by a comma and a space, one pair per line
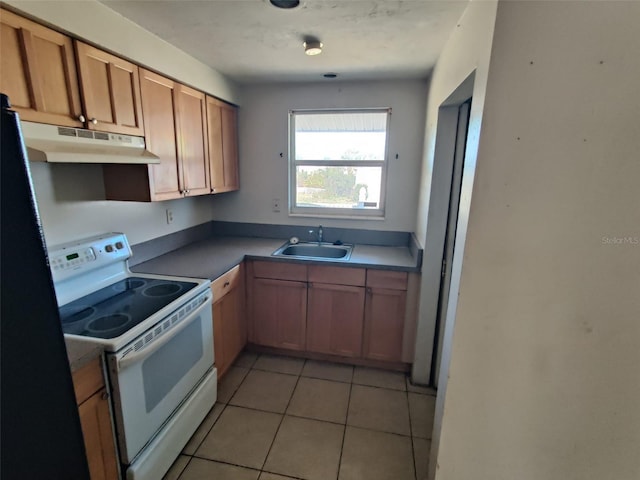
74, 258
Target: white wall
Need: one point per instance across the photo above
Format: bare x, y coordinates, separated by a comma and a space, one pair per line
71, 201
264, 135
543, 380
467, 51
98, 24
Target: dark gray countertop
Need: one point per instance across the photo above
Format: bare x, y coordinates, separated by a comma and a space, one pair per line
211, 258
81, 353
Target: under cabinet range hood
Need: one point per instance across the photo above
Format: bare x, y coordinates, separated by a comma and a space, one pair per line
54, 144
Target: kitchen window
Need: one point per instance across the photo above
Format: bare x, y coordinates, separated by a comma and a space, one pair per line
338, 162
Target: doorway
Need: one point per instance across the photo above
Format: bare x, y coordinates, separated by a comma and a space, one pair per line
461, 133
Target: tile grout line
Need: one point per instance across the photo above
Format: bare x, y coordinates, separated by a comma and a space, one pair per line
282, 419
228, 463
346, 419
224, 407
413, 449
183, 469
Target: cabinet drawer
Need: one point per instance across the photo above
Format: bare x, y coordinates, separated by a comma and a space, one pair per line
280, 271
387, 279
225, 283
337, 275
88, 380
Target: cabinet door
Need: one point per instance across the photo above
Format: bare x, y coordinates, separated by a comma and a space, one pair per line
223, 146
38, 72
230, 147
111, 91
384, 324
160, 109
98, 438
334, 319
279, 313
192, 147
218, 339
229, 325
236, 327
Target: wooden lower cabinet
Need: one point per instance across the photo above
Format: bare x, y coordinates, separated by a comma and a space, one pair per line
279, 313
384, 317
95, 420
341, 311
229, 321
98, 439
334, 319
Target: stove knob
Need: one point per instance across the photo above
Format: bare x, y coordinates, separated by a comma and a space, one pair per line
119, 245
109, 248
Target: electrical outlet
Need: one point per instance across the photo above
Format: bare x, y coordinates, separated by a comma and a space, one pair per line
275, 204
169, 216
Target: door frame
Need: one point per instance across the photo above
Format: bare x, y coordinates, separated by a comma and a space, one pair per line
463, 112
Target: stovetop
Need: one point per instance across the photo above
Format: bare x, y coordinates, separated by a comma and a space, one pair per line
115, 309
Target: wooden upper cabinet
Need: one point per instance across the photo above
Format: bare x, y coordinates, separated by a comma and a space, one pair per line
160, 110
174, 130
38, 72
222, 132
192, 141
111, 91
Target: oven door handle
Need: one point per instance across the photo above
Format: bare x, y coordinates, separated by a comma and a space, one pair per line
145, 352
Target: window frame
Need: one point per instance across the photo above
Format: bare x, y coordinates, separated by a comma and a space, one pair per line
355, 213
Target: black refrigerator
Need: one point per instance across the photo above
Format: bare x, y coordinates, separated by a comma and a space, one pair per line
40, 433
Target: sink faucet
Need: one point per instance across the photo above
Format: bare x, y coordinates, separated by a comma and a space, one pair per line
319, 233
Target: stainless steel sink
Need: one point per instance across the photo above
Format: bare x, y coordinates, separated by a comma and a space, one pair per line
315, 251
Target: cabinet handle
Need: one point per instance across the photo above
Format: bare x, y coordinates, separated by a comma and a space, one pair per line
226, 284
105, 395
82, 118
94, 121
369, 291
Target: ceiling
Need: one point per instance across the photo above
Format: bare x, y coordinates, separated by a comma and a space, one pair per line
251, 41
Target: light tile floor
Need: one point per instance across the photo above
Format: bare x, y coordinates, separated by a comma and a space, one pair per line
283, 418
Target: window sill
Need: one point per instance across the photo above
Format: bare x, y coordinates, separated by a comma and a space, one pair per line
337, 217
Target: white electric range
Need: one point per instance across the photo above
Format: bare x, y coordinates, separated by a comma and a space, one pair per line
157, 335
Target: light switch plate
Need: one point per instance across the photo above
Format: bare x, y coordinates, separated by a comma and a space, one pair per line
275, 204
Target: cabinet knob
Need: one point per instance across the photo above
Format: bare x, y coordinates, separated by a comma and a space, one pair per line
94, 121
187, 192
82, 118
105, 395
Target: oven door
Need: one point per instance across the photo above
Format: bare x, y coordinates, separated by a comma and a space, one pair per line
150, 384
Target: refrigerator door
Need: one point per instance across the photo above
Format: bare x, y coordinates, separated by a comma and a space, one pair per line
41, 435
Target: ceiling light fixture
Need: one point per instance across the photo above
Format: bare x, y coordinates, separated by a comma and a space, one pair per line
312, 47
286, 4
